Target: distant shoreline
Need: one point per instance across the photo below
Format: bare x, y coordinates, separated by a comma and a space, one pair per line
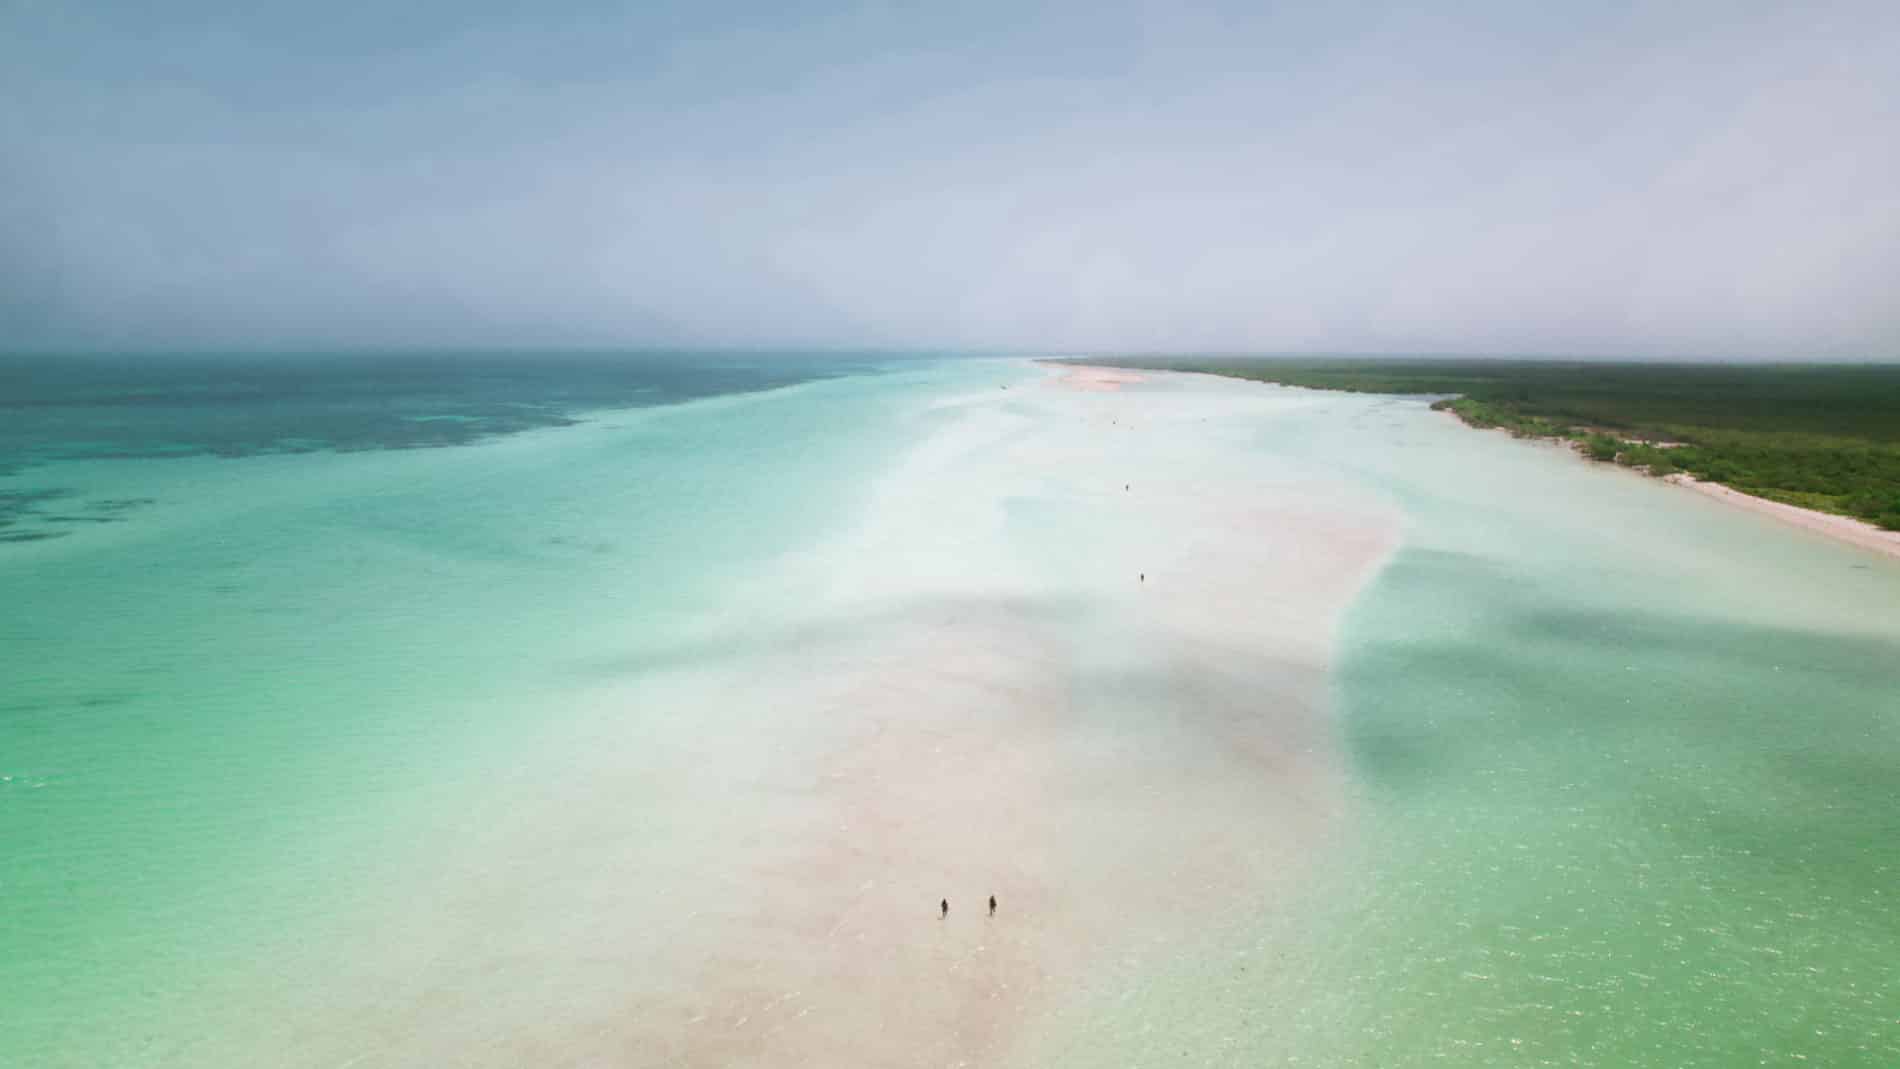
1827, 524
1841, 528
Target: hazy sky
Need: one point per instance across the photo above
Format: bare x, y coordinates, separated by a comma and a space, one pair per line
1669, 178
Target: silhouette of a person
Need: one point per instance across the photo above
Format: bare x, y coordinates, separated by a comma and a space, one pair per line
992, 905
946, 908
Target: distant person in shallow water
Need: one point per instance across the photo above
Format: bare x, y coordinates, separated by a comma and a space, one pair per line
992, 905
946, 908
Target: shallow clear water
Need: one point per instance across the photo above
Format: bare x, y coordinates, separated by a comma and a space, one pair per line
1625, 764
222, 713
1640, 757
1619, 763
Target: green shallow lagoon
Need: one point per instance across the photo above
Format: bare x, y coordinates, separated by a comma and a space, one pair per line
1622, 762
1625, 765
1632, 763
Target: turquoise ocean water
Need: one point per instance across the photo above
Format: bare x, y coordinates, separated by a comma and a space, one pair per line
236, 682
282, 642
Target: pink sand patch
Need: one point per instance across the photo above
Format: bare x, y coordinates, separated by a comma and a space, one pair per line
1094, 379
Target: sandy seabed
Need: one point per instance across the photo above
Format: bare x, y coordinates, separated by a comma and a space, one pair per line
1089, 641
1073, 653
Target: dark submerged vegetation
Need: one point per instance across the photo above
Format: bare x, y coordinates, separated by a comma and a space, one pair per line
1824, 437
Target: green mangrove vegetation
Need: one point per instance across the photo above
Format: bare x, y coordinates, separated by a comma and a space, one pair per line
1824, 437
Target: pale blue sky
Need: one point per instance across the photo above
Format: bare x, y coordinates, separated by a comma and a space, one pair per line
1636, 179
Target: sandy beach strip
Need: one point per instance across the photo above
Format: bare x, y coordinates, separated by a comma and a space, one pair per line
1826, 524
1843, 528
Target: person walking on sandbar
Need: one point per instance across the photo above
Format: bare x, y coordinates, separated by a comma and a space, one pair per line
992, 905
946, 909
